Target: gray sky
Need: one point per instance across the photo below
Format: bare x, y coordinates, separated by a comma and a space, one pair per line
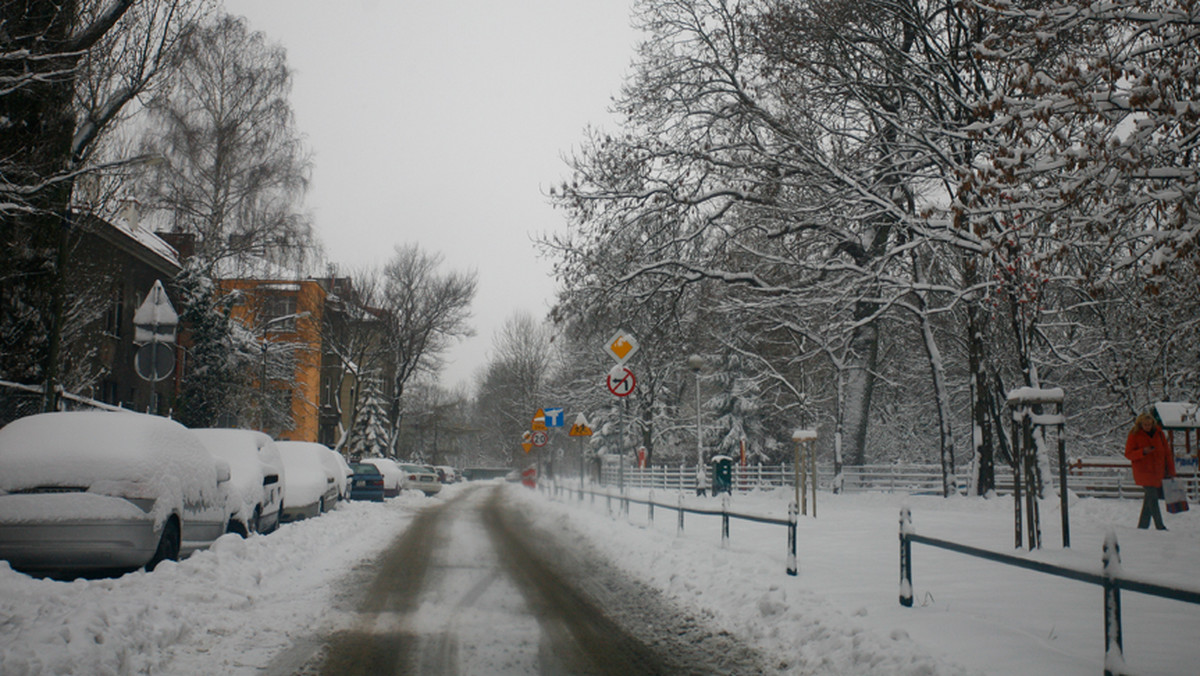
445, 123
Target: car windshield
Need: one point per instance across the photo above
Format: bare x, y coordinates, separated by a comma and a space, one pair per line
366, 469
415, 469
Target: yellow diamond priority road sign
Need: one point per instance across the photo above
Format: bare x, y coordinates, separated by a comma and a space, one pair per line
621, 346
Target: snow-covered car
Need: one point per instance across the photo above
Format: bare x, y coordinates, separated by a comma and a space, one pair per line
420, 478
393, 476
91, 491
341, 469
256, 477
447, 474
309, 484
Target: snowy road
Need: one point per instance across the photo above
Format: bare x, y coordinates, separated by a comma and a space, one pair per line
471, 588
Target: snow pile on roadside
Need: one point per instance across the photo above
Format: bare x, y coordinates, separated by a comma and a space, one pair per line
228, 609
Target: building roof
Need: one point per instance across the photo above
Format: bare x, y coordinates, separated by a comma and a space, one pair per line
138, 242
253, 267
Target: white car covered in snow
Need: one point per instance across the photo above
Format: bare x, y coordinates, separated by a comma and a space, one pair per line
256, 481
310, 483
334, 462
106, 491
420, 478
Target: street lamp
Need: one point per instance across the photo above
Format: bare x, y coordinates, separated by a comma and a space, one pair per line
262, 381
696, 364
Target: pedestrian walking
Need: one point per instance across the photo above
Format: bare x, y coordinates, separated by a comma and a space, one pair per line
1152, 459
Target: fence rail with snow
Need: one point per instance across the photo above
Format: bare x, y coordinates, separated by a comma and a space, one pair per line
1109, 579
557, 489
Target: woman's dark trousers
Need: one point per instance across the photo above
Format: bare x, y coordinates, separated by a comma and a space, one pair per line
1150, 509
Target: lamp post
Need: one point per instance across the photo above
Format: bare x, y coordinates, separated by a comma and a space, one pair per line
262, 381
696, 364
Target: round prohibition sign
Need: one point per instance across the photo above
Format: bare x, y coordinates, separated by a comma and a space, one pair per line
539, 438
621, 381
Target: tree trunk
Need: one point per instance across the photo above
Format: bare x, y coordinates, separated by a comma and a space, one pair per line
839, 434
981, 436
942, 397
860, 383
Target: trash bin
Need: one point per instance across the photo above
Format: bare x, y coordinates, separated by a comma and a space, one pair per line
722, 474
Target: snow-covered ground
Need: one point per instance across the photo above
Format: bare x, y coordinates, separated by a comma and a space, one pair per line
841, 614
235, 608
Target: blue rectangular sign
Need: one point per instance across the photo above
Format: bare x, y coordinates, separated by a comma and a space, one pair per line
554, 417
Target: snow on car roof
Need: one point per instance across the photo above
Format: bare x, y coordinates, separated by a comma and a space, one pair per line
237, 447
77, 448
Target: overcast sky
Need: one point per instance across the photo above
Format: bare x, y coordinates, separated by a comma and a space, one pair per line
445, 123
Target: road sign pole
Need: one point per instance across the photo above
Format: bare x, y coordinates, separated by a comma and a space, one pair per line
154, 387
621, 449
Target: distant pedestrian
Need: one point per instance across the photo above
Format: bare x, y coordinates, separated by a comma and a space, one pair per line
1152, 459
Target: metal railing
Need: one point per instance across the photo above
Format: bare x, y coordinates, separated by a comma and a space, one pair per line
19, 400
1109, 580
624, 500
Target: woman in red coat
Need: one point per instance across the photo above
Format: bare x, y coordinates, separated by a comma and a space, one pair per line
1147, 448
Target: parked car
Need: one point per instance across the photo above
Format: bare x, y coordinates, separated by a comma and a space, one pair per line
91, 491
256, 482
447, 474
393, 476
367, 482
335, 463
420, 477
309, 486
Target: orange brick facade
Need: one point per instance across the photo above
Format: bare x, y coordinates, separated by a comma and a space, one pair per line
265, 309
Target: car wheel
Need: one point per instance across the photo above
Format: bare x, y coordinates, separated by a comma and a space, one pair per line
168, 544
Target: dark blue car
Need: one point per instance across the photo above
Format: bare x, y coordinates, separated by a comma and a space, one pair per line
367, 482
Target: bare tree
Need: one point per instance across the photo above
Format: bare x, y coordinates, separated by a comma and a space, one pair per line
423, 309
515, 381
353, 339
437, 423
236, 166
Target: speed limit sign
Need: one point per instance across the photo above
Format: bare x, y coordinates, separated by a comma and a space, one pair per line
539, 438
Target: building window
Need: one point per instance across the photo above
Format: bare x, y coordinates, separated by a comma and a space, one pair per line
279, 314
328, 435
327, 388
115, 314
109, 393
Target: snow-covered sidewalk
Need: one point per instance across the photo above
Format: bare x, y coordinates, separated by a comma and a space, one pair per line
227, 610
841, 614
